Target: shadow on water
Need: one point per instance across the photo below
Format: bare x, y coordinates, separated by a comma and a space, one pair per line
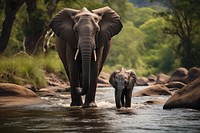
54, 120
59, 117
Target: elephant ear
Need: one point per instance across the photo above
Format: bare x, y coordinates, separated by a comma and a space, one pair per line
62, 25
131, 79
110, 24
112, 79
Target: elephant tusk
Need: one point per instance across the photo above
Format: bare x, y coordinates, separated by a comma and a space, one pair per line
75, 57
95, 56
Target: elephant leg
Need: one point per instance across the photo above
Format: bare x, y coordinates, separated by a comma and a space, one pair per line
122, 97
74, 74
128, 97
65, 52
90, 98
76, 98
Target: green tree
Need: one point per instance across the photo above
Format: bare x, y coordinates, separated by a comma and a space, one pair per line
183, 17
36, 17
11, 8
34, 27
126, 47
159, 55
120, 6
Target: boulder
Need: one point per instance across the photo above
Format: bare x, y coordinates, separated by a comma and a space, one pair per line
12, 95
193, 74
152, 78
187, 97
175, 84
54, 80
52, 91
162, 78
153, 90
179, 75
103, 80
155, 102
142, 81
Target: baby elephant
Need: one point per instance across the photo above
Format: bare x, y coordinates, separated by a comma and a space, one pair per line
123, 81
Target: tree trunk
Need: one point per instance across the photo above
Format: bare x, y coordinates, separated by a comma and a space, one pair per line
35, 25
11, 8
36, 31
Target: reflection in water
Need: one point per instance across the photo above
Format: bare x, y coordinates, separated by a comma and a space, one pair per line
64, 119
59, 117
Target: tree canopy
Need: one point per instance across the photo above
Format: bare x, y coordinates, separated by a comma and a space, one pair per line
183, 17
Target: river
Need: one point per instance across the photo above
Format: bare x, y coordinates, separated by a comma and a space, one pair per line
59, 117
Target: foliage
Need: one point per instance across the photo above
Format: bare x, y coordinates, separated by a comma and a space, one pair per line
24, 69
145, 3
126, 47
183, 17
138, 15
119, 6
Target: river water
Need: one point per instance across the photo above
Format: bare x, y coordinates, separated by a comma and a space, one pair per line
59, 117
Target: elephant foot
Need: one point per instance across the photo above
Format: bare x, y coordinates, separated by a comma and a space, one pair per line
75, 104
89, 105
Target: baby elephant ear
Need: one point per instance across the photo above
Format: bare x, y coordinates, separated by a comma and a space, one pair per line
62, 24
131, 79
110, 23
112, 79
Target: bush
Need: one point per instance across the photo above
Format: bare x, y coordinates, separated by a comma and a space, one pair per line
23, 69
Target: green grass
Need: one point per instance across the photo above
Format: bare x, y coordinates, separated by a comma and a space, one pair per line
23, 69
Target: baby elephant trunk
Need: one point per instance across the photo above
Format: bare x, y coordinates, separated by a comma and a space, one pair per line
118, 94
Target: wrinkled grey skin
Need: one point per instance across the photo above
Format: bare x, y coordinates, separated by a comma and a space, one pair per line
83, 42
123, 81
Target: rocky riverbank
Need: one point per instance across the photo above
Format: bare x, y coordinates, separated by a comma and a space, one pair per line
183, 85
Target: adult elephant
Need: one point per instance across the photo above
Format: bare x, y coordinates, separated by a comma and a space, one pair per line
83, 43
123, 81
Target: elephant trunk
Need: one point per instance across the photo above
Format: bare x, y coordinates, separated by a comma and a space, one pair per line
118, 96
86, 53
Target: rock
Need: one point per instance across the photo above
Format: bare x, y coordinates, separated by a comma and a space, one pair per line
142, 81
54, 80
12, 95
162, 78
153, 90
7, 89
193, 74
52, 91
99, 85
187, 97
31, 87
152, 78
47, 93
179, 75
103, 80
175, 84
104, 75
155, 102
